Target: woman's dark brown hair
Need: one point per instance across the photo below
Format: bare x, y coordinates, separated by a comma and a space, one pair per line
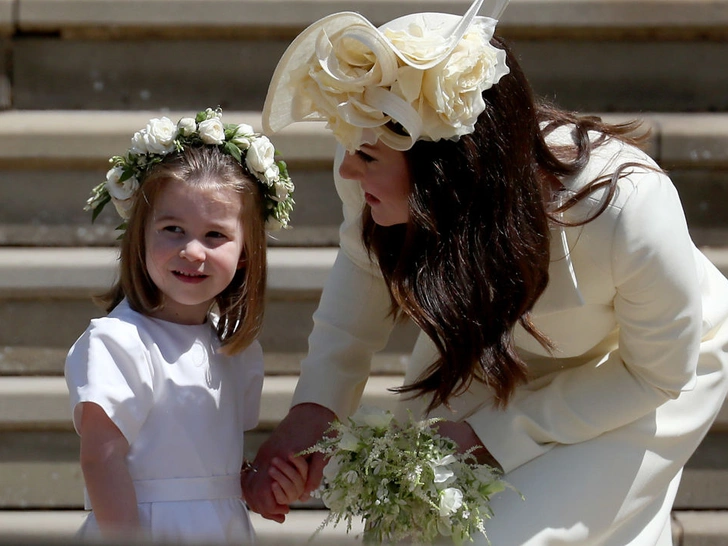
474, 257
240, 305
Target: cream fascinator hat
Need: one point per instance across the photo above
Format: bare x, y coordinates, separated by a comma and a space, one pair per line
418, 77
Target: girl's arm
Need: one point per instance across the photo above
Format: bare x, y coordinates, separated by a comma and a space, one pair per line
108, 482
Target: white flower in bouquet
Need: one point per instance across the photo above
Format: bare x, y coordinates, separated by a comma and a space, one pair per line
405, 480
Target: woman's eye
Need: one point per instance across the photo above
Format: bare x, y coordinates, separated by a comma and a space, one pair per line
365, 157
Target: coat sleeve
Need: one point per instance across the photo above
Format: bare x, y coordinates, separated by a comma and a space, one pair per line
353, 318
658, 311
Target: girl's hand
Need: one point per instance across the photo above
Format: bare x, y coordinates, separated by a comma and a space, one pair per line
289, 478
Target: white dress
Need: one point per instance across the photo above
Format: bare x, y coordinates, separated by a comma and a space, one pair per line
183, 408
597, 440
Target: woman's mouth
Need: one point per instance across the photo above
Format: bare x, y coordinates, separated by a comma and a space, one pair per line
370, 199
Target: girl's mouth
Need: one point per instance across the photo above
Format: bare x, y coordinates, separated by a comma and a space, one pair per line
189, 277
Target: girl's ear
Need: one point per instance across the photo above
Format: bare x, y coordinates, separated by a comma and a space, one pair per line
242, 261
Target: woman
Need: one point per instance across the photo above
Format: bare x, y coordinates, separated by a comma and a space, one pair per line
570, 328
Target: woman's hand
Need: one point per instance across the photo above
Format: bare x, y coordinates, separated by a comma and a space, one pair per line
304, 425
464, 436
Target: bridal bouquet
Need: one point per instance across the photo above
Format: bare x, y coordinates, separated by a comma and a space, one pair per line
406, 481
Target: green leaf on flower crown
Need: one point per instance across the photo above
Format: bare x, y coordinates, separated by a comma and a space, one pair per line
99, 206
234, 151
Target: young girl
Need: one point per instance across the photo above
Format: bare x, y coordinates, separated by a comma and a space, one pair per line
162, 389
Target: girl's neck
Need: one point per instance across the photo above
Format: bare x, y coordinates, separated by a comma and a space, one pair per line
187, 316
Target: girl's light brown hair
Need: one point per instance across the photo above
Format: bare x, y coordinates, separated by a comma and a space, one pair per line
240, 306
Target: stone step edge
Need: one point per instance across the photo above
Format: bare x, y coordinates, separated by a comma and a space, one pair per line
70, 272
299, 526
695, 140
690, 528
73, 272
42, 402
50, 15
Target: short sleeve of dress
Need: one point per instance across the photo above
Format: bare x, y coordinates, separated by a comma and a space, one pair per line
253, 385
109, 366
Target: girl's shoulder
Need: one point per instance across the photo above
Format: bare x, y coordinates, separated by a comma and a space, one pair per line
122, 327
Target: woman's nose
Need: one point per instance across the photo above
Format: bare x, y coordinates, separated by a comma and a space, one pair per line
348, 168
193, 251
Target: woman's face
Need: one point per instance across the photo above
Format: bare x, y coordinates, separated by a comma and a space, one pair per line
385, 179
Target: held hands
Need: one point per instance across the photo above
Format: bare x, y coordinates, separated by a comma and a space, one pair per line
304, 425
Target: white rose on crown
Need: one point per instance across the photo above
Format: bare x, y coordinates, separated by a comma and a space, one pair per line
187, 126
212, 131
156, 138
160, 137
118, 189
244, 135
260, 155
121, 193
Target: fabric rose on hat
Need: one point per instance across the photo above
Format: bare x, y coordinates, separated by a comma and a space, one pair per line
453, 89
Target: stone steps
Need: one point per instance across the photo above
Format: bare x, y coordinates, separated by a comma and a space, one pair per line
45, 298
39, 450
59, 155
38, 528
602, 55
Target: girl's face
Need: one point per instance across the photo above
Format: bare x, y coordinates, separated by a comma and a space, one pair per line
385, 179
194, 245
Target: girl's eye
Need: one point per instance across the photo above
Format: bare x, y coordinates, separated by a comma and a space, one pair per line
216, 235
172, 229
365, 157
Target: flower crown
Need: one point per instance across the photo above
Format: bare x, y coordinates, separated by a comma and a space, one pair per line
419, 77
149, 146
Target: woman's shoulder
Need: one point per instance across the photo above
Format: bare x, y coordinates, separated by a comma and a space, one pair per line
636, 170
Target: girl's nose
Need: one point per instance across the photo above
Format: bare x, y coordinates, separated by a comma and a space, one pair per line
349, 168
193, 251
